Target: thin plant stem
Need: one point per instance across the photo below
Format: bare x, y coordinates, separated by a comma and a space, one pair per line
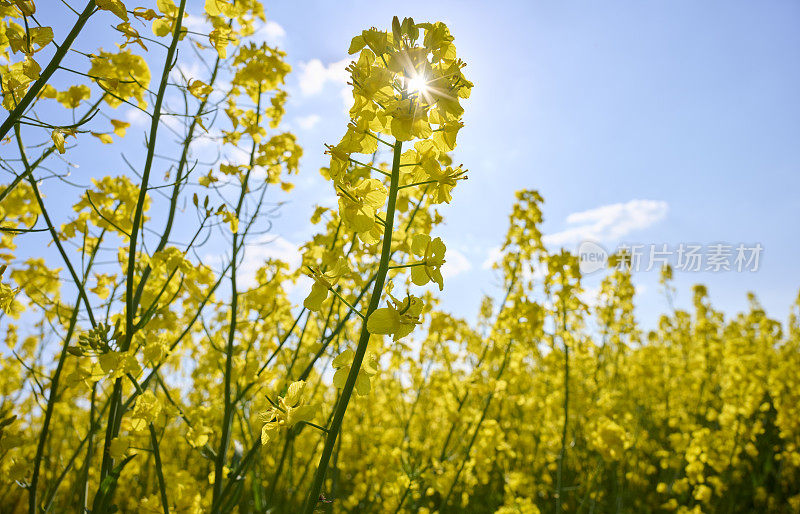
115, 412
51, 67
361, 349
229, 404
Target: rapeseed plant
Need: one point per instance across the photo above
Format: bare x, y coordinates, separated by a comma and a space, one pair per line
139, 376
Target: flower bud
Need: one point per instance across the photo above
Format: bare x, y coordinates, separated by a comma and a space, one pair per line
26, 7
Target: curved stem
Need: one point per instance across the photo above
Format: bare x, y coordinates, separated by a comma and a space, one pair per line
162, 485
115, 412
37, 86
229, 402
361, 349
45, 154
563, 452
51, 402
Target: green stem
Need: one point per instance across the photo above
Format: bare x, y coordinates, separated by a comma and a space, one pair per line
446, 502
37, 86
370, 167
277, 475
51, 402
361, 349
115, 412
401, 266
219, 463
162, 485
563, 452
332, 290
418, 184
51, 228
53, 398
84, 477
81, 295
176, 188
35, 164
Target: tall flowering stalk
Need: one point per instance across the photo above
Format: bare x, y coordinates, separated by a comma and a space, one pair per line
407, 83
121, 334
196, 386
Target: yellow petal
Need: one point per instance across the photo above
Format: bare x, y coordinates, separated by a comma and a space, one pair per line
340, 377
120, 127
214, 7
295, 392
403, 330
269, 432
383, 321
437, 248
436, 275
115, 6
105, 138
419, 243
304, 413
356, 44
343, 359
362, 384
419, 276
167, 6
401, 129
318, 294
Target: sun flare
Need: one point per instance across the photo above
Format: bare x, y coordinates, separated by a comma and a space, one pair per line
417, 84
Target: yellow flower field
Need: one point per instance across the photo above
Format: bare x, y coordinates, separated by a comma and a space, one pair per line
140, 375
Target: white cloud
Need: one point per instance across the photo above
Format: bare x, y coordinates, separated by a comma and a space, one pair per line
136, 117
237, 156
455, 264
493, 255
267, 247
314, 75
308, 122
347, 98
604, 223
196, 23
206, 144
175, 123
609, 222
187, 70
270, 32
331, 201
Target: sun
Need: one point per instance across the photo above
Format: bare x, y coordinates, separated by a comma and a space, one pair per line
417, 84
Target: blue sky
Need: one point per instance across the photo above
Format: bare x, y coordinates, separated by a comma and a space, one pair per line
693, 106
662, 122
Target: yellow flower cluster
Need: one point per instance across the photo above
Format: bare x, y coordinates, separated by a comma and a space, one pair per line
405, 82
148, 366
